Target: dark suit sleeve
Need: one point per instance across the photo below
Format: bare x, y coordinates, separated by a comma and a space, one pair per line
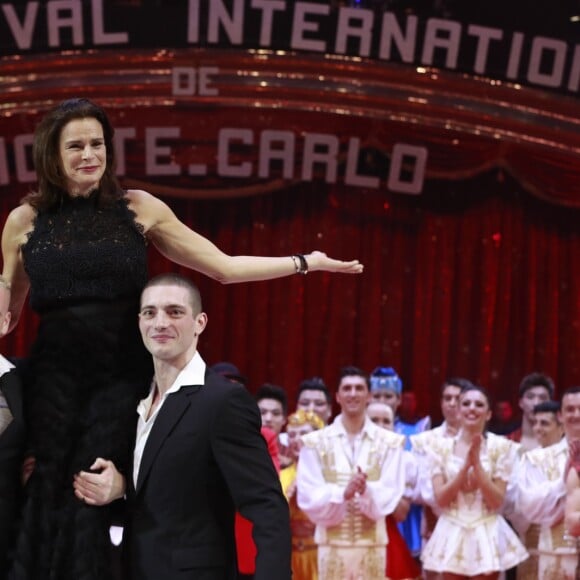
242, 456
11, 457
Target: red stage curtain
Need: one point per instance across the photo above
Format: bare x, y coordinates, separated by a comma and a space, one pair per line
472, 278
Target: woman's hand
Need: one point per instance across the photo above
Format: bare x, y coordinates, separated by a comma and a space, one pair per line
320, 262
474, 450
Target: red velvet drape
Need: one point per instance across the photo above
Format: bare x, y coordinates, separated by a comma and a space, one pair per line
474, 278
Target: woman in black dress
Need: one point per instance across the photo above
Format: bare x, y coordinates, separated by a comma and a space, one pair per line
79, 244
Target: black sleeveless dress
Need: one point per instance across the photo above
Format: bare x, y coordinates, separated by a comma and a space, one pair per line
87, 370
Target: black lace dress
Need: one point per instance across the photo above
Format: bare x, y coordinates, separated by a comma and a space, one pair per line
88, 369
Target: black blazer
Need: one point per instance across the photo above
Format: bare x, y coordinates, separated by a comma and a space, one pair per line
12, 442
204, 459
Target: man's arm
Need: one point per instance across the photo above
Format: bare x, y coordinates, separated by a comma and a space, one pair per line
382, 497
241, 454
540, 499
572, 511
323, 502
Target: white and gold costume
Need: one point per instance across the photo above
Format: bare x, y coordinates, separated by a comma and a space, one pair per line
527, 532
351, 535
469, 538
421, 443
540, 495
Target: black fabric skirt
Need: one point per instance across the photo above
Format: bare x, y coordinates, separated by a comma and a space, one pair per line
87, 371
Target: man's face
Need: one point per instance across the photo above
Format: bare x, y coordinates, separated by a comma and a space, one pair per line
532, 397
315, 401
547, 429
450, 404
168, 326
272, 414
353, 396
570, 415
388, 397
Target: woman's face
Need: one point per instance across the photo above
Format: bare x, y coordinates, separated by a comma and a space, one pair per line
83, 155
474, 410
295, 433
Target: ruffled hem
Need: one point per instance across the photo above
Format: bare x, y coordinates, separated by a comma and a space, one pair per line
490, 546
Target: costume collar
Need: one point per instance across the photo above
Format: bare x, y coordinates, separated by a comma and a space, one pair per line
369, 428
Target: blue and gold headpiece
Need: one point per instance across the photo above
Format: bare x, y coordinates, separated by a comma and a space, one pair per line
386, 379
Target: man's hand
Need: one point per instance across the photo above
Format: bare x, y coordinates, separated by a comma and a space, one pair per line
402, 510
356, 485
291, 490
99, 488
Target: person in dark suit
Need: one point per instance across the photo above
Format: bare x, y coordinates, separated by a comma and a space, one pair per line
199, 456
11, 453
11, 442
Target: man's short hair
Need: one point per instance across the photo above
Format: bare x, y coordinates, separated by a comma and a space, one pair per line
314, 384
547, 407
174, 279
570, 391
269, 391
456, 382
4, 283
536, 380
352, 371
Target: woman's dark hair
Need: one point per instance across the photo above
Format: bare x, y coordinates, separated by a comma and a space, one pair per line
46, 154
482, 390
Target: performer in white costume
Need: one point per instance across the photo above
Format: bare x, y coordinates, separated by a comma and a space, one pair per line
548, 431
422, 442
350, 476
572, 509
541, 495
470, 475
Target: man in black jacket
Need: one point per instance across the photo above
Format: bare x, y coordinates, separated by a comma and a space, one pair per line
199, 457
11, 442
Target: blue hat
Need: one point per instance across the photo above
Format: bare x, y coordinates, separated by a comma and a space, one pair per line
386, 379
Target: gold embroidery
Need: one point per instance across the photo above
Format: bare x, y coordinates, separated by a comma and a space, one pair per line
355, 527
557, 567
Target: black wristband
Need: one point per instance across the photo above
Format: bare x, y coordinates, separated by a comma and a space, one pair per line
303, 264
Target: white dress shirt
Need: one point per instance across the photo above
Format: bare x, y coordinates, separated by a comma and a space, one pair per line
192, 374
5, 414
